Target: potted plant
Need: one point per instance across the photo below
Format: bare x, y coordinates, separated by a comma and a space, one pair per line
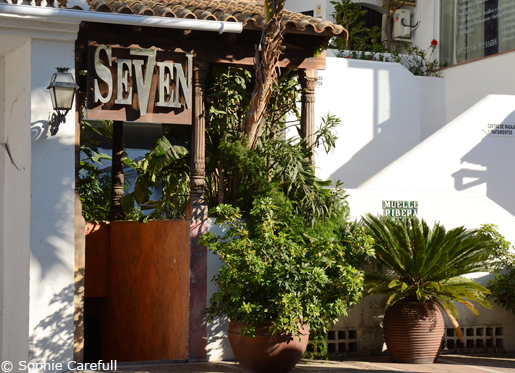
423, 271
277, 284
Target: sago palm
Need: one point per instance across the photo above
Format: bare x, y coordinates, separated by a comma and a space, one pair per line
427, 264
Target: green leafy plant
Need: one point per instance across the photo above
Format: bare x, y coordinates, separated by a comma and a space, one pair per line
502, 254
423, 264
274, 274
237, 174
418, 61
361, 38
501, 287
394, 57
165, 170
94, 186
317, 347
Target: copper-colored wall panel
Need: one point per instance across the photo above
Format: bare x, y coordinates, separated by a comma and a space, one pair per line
148, 304
96, 278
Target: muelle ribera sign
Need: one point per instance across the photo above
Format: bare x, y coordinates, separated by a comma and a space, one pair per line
139, 84
400, 209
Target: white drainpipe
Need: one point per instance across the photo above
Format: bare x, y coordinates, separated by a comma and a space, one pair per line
121, 19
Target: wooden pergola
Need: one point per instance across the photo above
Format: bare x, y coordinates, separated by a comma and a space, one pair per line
304, 37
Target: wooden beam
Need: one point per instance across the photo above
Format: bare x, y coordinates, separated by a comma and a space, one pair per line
290, 59
237, 49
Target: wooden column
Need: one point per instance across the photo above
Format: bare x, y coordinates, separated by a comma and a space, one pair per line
197, 209
197, 212
308, 80
117, 178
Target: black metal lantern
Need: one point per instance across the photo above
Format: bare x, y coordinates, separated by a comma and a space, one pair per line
62, 90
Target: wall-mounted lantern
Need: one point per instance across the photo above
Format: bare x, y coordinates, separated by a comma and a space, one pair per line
62, 90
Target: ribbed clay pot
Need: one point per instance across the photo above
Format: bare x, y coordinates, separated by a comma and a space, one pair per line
413, 332
265, 353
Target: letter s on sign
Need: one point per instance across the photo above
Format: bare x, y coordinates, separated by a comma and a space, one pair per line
103, 73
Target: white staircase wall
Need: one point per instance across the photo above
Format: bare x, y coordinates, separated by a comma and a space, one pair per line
460, 157
385, 112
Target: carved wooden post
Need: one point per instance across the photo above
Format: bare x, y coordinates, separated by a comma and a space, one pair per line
197, 213
308, 81
117, 177
197, 209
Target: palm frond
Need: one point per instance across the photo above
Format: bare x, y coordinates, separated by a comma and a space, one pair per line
455, 324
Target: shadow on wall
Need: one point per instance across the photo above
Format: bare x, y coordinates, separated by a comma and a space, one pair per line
495, 153
40, 129
52, 217
54, 333
396, 122
51, 334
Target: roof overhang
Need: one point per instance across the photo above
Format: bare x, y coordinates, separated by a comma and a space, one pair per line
121, 19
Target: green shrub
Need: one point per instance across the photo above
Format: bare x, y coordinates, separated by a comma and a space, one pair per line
502, 286
274, 274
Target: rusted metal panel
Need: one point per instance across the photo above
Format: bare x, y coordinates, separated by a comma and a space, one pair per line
98, 242
148, 305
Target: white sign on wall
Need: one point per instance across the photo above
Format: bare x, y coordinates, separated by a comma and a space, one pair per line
502, 129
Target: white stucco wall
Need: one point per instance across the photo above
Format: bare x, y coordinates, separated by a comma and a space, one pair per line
15, 169
218, 347
37, 189
52, 213
427, 14
326, 7
469, 83
306, 5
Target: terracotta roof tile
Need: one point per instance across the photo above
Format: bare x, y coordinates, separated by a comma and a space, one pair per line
249, 13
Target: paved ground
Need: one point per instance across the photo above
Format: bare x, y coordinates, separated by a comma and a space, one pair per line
380, 364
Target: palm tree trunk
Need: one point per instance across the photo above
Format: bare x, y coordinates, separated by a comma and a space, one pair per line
265, 66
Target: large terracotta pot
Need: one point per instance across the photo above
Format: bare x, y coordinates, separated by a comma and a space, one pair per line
265, 353
413, 332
